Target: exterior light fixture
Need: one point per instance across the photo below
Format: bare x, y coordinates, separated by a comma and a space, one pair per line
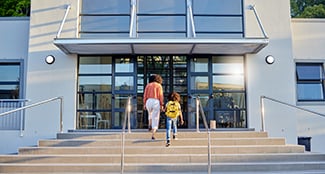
50, 59
269, 59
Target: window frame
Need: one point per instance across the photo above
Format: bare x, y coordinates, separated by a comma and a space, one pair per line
21, 81
320, 81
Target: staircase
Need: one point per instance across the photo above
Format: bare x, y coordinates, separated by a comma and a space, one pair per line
100, 152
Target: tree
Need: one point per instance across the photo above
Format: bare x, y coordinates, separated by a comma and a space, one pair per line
307, 8
14, 7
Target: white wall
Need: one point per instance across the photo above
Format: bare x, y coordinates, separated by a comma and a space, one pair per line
14, 34
45, 81
276, 80
308, 46
14, 37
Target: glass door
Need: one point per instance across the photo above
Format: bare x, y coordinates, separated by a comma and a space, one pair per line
173, 70
219, 83
124, 86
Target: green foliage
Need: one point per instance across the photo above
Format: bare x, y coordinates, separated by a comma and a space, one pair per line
307, 8
14, 8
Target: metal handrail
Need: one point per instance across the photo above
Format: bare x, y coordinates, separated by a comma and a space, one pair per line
40, 103
126, 117
252, 7
281, 102
63, 21
199, 109
21, 118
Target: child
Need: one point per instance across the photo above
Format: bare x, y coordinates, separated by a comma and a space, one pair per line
173, 111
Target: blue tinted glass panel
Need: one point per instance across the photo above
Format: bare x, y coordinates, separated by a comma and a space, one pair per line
9, 72
218, 24
105, 23
105, 6
309, 72
217, 7
162, 7
310, 92
161, 23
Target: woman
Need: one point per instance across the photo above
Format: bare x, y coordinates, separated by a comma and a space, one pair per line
153, 100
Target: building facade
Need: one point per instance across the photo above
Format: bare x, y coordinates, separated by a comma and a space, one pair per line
105, 50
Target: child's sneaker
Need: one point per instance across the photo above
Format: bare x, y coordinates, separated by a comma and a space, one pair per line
168, 143
174, 137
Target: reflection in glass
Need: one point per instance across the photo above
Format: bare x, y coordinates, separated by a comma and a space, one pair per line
95, 65
9, 72
199, 82
95, 83
230, 119
199, 65
225, 100
124, 65
120, 101
124, 83
309, 71
310, 92
228, 82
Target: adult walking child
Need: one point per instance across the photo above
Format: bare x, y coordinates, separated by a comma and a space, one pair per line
173, 111
153, 102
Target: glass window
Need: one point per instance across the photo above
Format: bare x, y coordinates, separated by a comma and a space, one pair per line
95, 65
105, 7
228, 82
124, 83
310, 81
9, 80
199, 65
124, 65
200, 82
217, 7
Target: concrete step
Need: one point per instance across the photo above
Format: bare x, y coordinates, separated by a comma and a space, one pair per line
163, 158
161, 167
163, 150
161, 134
160, 142
90, 152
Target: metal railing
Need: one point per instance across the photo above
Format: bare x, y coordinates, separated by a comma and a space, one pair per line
37, 104
13, 121
281, 102
127, 115
199, 110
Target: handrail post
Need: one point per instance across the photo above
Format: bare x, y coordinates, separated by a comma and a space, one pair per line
126, 117
197, 114
129, 114
262, 113
200, 108
61, 114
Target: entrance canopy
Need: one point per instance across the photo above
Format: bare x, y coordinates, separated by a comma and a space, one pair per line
160, 46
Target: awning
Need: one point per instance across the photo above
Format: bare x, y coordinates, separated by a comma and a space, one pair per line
85, 46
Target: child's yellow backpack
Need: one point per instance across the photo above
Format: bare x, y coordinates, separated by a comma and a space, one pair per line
172, 109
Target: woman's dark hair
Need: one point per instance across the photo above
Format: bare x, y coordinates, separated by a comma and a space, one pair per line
155, 78
174, 96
